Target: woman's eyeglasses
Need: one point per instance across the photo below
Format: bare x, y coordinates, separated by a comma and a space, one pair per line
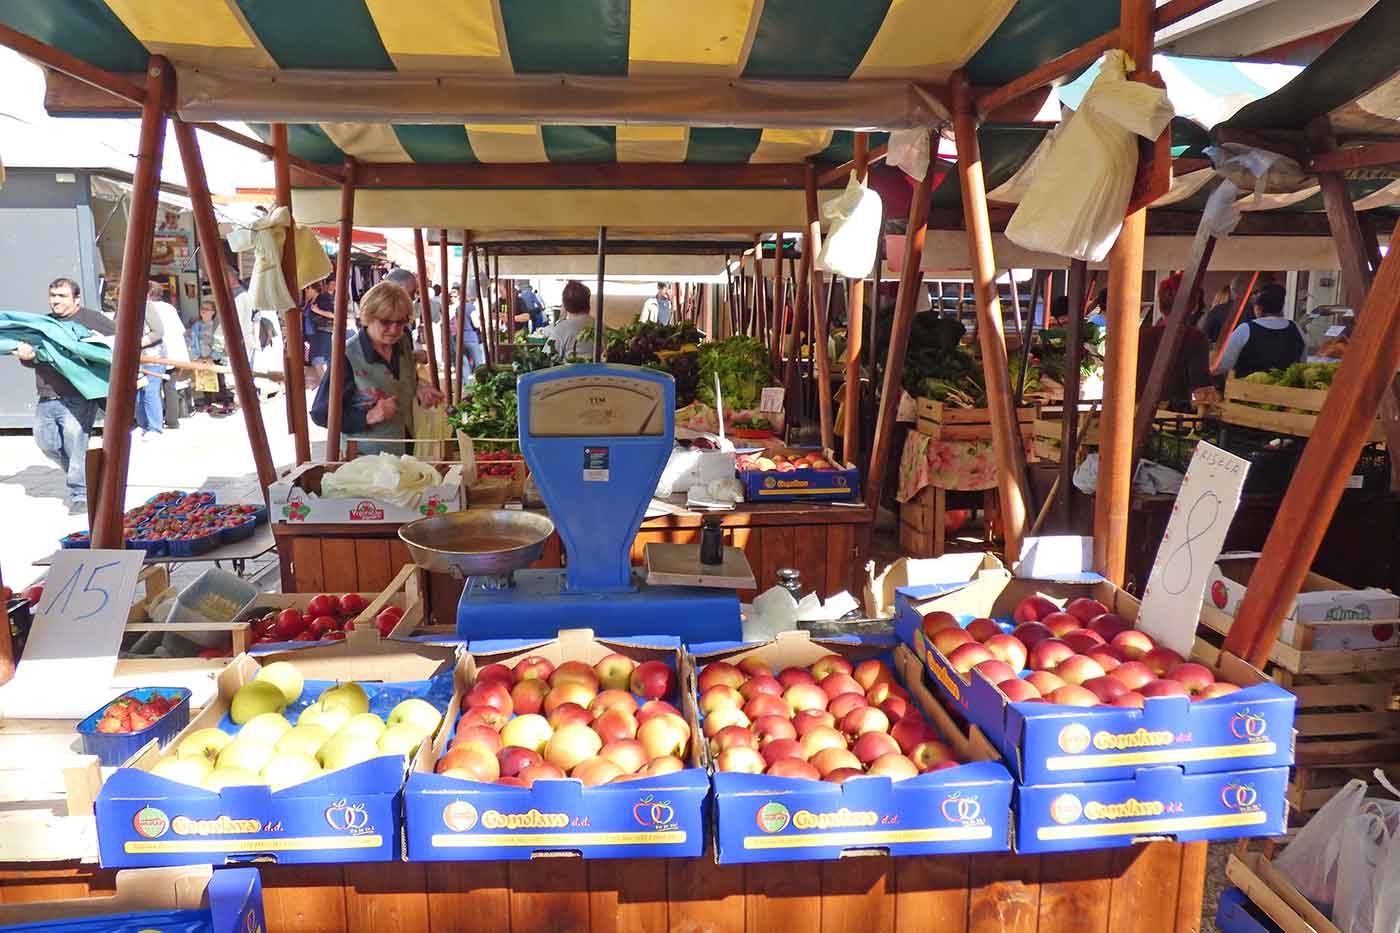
393, 322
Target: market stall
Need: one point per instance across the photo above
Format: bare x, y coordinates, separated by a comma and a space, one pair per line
956, 862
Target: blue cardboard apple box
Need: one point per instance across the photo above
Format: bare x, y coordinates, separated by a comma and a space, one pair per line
188, 898
1046, 743
349, 815
449, 818
765, 818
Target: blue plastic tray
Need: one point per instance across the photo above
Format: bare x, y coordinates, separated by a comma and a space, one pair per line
114, 748
194, 546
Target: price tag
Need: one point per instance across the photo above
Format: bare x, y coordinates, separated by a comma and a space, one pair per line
1336, 330
72, 648
771, 399
1205, 506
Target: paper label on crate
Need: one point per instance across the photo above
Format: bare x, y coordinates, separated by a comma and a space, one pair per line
1205, 506
771, 399
71, 651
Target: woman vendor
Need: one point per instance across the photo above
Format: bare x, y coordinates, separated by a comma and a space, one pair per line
377, 402
1188, 378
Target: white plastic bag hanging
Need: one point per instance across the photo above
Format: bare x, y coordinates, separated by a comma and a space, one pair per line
854, 217
1075, 204
908, 150
1310, 860
268, 286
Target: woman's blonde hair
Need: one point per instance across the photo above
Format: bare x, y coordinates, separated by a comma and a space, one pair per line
384, 300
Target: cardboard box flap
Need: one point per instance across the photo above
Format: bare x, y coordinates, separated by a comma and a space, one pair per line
577, 644
1063, 558
179, 888
909, 571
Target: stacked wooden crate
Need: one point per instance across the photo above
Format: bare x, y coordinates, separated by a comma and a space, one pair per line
945, 423
1279, 409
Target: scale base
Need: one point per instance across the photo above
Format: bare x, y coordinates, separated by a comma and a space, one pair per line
537, 607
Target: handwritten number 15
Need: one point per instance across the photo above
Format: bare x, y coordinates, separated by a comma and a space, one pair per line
69, 589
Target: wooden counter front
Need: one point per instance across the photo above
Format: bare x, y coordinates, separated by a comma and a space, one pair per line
1151, 887
820, 541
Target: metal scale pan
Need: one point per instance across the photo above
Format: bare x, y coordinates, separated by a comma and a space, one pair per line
477, 542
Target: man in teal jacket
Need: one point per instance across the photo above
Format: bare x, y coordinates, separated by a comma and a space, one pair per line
64, 415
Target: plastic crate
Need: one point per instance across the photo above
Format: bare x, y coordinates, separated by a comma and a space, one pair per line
240, 532
114, 748
78, 539
217, 582
193, 547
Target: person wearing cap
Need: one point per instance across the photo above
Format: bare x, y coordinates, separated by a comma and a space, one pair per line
1270, 341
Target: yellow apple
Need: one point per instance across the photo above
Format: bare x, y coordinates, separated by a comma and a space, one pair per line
400, 739
246, 755
185, 770
255, 698
287, 768
230, 777
420, 714
206, 744
286, 677
265, 729
306, 738
366, 724
342, 751
351, 696
328, 718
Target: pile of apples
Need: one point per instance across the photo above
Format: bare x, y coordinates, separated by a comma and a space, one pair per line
334, 732
327, 618
602, 724
832, 721
128, 714
781, 463
1082, 655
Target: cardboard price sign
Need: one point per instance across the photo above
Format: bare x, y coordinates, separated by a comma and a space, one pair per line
1205, 506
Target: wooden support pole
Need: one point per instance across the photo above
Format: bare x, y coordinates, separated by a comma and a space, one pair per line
1173, 335
1114, 491
1076, 284
779, 306
1027, 333
107, 530
1347, 418
911, 279
855, 324
820, 320
802, 313
447, 353
1006, 434
598, 320
1016, 298
293, 343
75, 67
463, 363
760, 318
1341, 217
873, 320
211, 246
426, 303
482, 302
344, 247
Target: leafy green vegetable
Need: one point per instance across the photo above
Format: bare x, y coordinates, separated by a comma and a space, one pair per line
742, 366
488, 407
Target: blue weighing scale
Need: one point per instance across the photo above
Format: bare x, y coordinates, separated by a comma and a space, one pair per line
596, 438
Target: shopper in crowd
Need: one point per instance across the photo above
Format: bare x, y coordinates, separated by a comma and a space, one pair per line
1222, 310
1188, 376
206, 345
1270, 341
474, 353
319, 312
63, 417
243, 307
377, 402
658, 307
164, 339
528, 301
577, 303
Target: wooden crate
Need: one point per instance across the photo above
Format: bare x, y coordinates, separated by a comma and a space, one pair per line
1275, 895
1298, 409
946, 423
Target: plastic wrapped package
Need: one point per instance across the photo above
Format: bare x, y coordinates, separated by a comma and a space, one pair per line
854, 217
400, 480
1074, 205
1310, 860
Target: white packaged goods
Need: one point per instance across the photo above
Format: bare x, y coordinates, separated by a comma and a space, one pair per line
854, 218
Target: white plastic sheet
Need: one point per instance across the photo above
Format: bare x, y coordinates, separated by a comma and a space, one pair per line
854, 218
909, 151
1310, 860
1075, 204
400, 480
268, 286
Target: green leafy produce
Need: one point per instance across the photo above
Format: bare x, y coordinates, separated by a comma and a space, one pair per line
742, 366
1297, 376
669, 348
488, 407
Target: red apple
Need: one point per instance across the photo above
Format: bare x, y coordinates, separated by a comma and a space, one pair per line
778, 749
655, 708
495, 672
872, 671
719, 696
527, 696
761, 683
931, 755
1048, 654
615, 725
894, 766
741, 758
1045, 682
544, 771
491, 693
884, 690
753, 666
1194, 677
995, 670
290, 624
730, 736
845, 703
1218, 689
1018, 690
570, 691
1076, 669
483, 716
663, 764
664, 734
1161, 660
831, 664
1106, 688
829, 759
1107, 656
820, 738
1162, 688
947, 640
595, 771
1131, 699
653, 680
982, 629
533, 667
767, 705
513, 759
871, 745
895, 707
1081, 640
789, 676
965, 657
1085, 609
470, 763
1061, 624
910, 731
801, 697
628, 754
1031, 634
566, 713
576, 672
721, 718
482, 737
1034, 609
720, 673
1109, 625
613, 671
837, 683
809, 719
793, 768
842, 775
862, 720
1007, 648
772, 728
938, 620
1133, 674
1133, 644
1074, 695
613, 698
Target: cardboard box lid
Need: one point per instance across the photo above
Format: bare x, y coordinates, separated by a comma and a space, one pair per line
180, 888
948, 571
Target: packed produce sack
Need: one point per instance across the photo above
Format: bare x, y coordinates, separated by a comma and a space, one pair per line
1310, 860
1075, 203
430, 430
854, 218
1369, 853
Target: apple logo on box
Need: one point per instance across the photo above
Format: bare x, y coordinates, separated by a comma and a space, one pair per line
1066, 809
459, 816
1074, 738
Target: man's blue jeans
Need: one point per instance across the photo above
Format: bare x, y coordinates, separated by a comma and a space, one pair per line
150, 412
61, 429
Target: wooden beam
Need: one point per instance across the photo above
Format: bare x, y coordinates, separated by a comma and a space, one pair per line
802, 320
855, 324
292, 340
759, 320
779, 309
1114, 490
838, 176
574, 175
483, 302
446, 325
1076, 284
1345, 422
911, 279
1368, 155
334, 409
425, 303
462, 361
599, 322
123, 88
327, 173
107, 529
211, 247
1173, 336
1341, 217
1006, 435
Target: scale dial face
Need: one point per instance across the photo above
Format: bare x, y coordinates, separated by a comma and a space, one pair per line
597, 406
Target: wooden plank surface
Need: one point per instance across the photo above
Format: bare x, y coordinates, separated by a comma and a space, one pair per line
386, 897
1005, 893
1191, 888
306, 566
468, 897
338, 566
779, 551
809, 556
931, 893
1145, 888
782, 896
856, 895
705, 897
304, 898
373, 564
627, 896
841, 570
549, 894
1075, 890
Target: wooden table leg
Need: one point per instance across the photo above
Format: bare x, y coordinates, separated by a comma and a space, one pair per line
940, 521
